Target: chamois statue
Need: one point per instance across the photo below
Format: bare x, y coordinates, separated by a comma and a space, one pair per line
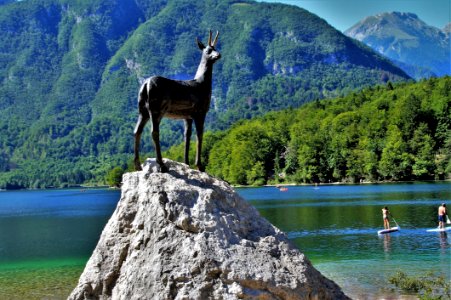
177, 99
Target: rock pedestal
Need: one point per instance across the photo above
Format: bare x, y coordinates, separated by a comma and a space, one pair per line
186, 235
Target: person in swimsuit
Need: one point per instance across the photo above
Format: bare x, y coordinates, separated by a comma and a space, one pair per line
442, 215
385, 214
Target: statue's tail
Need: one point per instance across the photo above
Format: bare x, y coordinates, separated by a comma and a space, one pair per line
143, 94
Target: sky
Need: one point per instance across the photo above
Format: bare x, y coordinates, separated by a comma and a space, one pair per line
343, 14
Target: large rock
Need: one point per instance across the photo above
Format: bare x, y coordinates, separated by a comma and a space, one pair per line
186, 235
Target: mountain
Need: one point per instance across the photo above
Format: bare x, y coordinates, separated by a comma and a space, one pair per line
447, 29
417, 48
70, 72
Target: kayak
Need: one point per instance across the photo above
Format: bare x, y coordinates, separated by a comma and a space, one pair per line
393, 229
439, 229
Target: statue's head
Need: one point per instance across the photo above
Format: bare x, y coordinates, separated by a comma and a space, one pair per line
209, 52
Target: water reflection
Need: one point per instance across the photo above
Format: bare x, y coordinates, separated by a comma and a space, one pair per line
387, 243
443, 241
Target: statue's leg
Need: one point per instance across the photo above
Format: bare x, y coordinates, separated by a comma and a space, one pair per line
199, 122
156, 118
188, 130
142, 120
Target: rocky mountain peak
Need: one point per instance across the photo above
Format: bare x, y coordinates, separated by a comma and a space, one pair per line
447, 28
404, 15
186, 235
402, 21
419, 49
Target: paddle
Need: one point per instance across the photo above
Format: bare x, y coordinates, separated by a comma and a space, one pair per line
399, 227
448, 221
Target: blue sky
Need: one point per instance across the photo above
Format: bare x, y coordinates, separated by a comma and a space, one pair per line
342, 14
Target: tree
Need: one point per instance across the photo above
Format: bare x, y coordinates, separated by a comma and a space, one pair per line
256, 175
114, 177
395, 162
422, 147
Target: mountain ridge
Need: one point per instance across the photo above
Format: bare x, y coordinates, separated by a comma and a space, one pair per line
71, 72
416, 47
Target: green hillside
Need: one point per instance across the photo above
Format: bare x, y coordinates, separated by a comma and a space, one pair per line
70, 72
382, 133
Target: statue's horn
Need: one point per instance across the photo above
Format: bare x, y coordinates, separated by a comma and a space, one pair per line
209, 39
216, 39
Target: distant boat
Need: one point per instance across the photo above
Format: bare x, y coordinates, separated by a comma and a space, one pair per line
283, 189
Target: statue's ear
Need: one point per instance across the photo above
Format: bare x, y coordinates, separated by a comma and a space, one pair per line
200, 45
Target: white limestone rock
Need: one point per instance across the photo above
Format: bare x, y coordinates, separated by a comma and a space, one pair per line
186, 235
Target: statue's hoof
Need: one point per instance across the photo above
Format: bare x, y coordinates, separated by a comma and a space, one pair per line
163, 168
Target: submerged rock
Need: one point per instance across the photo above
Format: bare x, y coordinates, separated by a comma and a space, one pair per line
186, 235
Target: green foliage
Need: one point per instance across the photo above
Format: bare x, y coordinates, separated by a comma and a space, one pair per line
70, 72
243, 155
363, 136
256, 175
114, 177
428, 287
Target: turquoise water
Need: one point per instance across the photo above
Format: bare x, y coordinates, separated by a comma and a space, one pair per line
47, 236
336, 227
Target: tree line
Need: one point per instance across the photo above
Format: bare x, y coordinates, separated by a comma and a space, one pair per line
384, 133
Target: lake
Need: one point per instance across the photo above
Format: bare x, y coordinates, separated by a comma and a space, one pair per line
46, 236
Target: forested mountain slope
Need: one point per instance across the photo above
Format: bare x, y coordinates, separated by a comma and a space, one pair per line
400, 132
70, 72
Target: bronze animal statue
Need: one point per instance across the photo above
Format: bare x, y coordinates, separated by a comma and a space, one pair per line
177, 99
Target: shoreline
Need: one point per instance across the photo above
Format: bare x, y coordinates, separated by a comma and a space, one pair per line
71, 187
83, 186
339, 183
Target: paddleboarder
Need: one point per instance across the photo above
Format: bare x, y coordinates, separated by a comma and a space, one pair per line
442, 215
385, 213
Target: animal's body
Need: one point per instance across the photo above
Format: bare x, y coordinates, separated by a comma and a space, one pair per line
181, 99
177, 99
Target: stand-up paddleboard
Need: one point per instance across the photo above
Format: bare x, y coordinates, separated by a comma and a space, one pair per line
439, 229
393, 229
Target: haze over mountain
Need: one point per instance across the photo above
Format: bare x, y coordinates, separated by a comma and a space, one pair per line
417, 48
71, 70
